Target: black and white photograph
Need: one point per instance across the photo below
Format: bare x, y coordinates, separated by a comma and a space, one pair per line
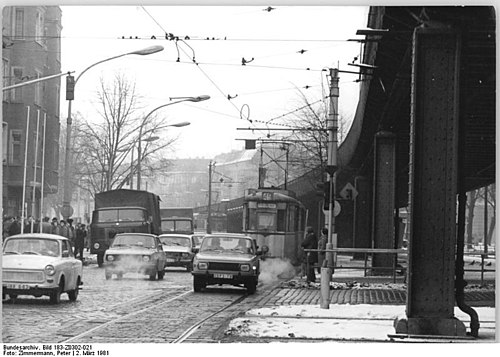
248, 178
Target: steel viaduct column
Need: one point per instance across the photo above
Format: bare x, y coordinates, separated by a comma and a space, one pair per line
384, 196
433, 185
362, 215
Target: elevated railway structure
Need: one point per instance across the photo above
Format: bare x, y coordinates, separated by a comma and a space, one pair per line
423, 135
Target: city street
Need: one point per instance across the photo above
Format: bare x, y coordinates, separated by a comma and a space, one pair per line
131, 310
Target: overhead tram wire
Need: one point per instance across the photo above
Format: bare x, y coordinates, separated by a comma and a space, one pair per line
251, 121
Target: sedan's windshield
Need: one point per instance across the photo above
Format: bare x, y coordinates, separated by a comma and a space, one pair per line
132, 240
234, 244
32, 246
176, 241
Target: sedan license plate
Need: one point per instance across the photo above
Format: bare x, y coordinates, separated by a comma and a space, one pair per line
223, 276
18, 286
170, 260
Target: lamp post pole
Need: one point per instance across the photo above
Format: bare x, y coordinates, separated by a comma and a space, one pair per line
67, 210
139, 147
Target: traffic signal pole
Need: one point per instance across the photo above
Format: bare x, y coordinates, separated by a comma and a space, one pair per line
331, 168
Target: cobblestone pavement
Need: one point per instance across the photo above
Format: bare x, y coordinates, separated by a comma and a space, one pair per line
133, 309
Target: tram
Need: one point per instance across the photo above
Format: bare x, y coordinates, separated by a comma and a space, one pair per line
275, 218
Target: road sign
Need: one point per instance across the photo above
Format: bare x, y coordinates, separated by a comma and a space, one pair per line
348, 192
336, 209
67, 211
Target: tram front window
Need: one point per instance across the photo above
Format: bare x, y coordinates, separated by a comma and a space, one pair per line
266, 221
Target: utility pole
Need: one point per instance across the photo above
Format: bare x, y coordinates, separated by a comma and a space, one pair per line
209, 208
331, 168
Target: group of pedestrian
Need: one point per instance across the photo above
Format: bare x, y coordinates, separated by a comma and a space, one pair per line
310, 259
76, 235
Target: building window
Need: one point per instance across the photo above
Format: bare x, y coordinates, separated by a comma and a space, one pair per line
6, 78
5, 132
15, 147
17, 77
38, 89
39, 29
18, 24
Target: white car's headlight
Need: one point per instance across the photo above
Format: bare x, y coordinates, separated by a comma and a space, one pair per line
96, 245
146, 258
202, 265
245, 267
50, 270
110, 258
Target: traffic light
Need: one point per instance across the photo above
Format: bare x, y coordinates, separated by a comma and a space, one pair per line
70, 87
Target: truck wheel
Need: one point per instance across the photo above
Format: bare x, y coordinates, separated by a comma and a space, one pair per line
107, 275
152, 276
100, 259
161, 274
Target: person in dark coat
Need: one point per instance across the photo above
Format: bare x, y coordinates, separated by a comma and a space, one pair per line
310, 242
80, 234
15, 227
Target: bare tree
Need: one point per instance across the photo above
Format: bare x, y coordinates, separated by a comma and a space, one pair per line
105, 150
310, 137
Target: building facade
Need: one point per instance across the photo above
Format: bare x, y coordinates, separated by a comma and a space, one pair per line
31, 49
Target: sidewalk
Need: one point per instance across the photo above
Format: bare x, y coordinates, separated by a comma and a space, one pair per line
361, 309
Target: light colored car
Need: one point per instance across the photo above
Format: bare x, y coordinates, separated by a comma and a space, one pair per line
179, 250
227, 259
136, 253
40, 264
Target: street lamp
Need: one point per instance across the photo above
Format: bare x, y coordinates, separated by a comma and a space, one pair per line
67, 210
199, 98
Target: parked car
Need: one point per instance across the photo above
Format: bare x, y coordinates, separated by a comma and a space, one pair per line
40, 264
227, 259
137, 253
179, 250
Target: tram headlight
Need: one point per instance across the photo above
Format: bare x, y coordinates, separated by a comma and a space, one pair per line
202, 265
245, 267
96, 245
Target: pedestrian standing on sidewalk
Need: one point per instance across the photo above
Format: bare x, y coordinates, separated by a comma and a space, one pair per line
322, 246
310, 242
79, 241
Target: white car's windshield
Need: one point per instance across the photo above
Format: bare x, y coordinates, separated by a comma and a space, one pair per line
141, 241
175, 241
32, 246
235, 244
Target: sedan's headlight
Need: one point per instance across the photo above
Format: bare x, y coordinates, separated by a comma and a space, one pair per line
50, 270
245, 267
185, 255
146, 258
96, 245
110, 258
202, 265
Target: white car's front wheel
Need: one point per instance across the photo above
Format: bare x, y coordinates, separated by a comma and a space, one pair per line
55, 296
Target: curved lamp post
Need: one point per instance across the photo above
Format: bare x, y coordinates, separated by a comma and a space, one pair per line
67, 210
178, 125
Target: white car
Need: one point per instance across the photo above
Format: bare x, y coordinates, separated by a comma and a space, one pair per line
40, 264
179, 250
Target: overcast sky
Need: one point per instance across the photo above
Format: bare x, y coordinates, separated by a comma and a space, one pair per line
289, 45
